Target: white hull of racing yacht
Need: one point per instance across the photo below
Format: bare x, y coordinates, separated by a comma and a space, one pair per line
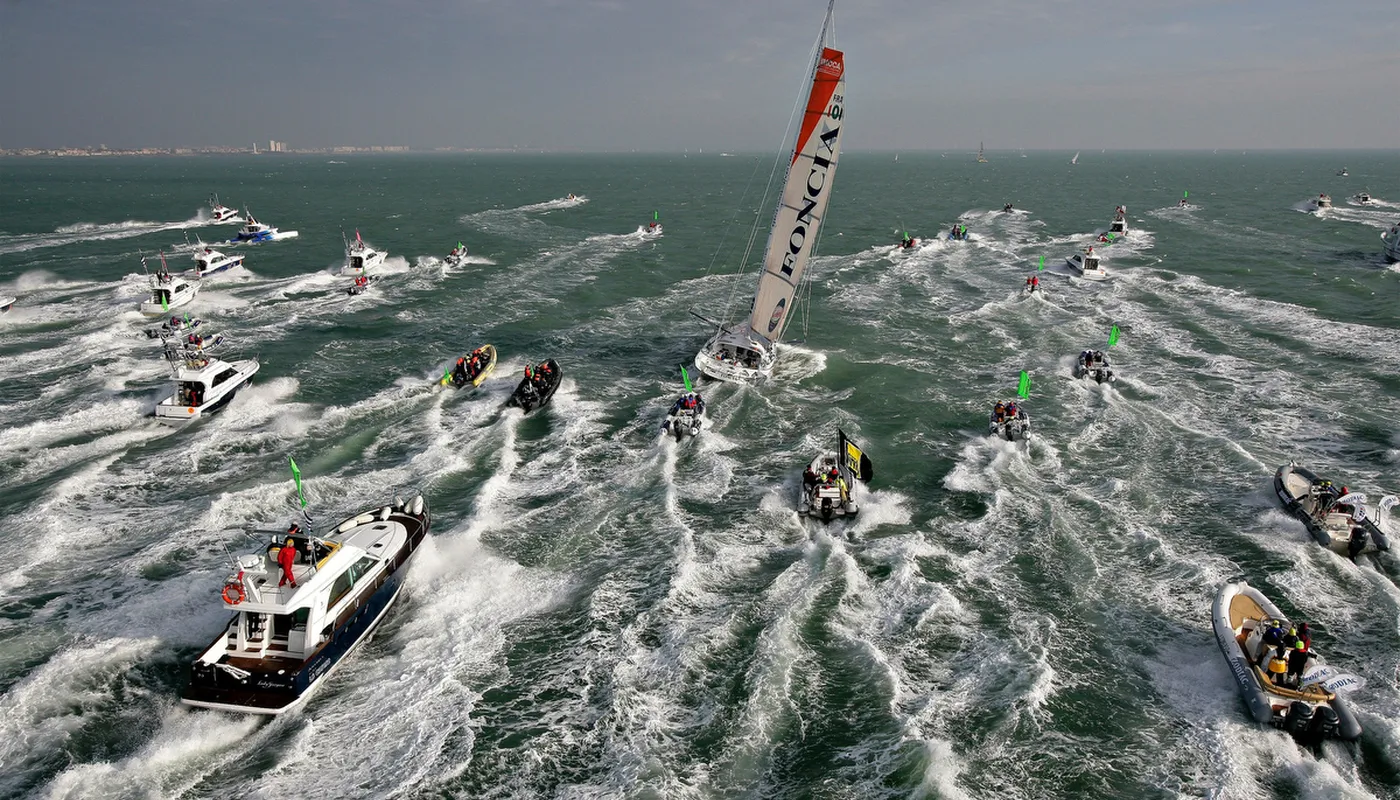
283, 643
736, 357
1312, 711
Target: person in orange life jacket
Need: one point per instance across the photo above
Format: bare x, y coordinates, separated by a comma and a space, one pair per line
1000, 411
459, 375
286, 557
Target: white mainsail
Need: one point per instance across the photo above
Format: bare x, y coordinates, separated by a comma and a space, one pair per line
1075, 160
803, 202
739, 354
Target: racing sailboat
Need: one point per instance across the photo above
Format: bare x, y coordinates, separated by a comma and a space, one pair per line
981, 159
746, 351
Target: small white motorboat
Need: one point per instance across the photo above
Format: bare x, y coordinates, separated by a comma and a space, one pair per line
686, 417
1342, 173
254, 232
1119, 225
457, 257
1391, 240
360, 257
208, 261
1093, 364
6, 303
829, 481
653, 228
1363, 198
167, 291
1322, 201
301, 604
1261, 645
219, 213
1086, 264
203, 384
1009, 421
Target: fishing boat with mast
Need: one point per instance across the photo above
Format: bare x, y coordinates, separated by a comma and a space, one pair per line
220, 213
254, 232
208, 261
747, 351
203, 384
285, 640
360, 258
167, 291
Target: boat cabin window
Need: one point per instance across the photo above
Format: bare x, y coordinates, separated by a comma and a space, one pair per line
225, 375
349, 578
357, 262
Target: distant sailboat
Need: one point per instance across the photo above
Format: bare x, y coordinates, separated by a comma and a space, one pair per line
981, 159
746, 351
1075, 160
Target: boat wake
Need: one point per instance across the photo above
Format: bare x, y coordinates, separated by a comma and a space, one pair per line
92, 232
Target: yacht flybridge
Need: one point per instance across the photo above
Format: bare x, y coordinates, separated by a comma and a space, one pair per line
286, 636
746, 351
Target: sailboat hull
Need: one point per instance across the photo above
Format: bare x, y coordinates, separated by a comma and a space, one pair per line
734, 356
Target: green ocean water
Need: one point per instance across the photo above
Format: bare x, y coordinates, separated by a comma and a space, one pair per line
600, 613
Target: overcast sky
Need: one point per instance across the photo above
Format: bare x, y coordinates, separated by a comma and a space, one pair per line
608, 75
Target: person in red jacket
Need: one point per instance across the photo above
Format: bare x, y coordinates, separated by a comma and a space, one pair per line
286, 557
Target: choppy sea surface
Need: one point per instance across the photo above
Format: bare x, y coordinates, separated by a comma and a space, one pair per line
601, 613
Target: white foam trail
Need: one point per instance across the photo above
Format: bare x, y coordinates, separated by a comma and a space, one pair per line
90, 232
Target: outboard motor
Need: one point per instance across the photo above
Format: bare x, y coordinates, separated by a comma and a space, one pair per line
1298, 719
1325, 724
1357, 542
826, 509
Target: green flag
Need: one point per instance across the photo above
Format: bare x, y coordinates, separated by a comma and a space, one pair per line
296, 476
685, 376
1184, 195
656, 215
1042, 263
1113, 336
164, 306
1024, 390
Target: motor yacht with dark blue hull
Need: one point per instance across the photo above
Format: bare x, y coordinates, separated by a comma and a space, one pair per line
284, 640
